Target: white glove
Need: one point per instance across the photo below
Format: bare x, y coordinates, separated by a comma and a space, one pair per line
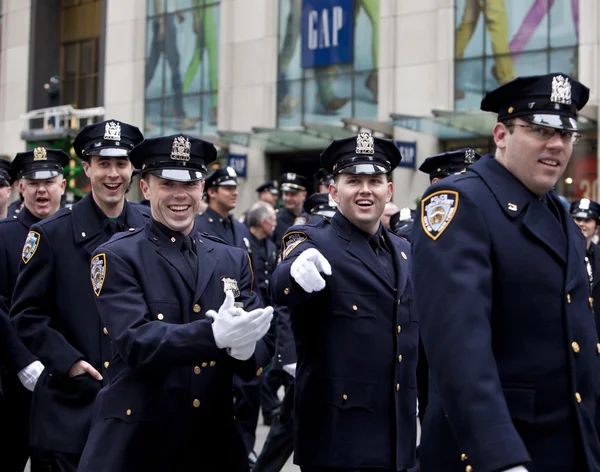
305, 270
234, 327
242, 353
30, 375
519, 468
290, 369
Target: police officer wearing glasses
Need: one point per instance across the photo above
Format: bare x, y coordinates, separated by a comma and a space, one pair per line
506, 316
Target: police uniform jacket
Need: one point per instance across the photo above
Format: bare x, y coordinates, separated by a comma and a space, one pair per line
263, 253
508, 328
168, 404
593, 254
285, 220
235, 233
357, 340
55, 315
14, 356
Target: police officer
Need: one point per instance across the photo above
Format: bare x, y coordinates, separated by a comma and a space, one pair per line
168, 403
267, 192
53, 306
442, 165
293, 188
347, 283
401, 223
586, 214
263, 252
42, 184
320, 204
324, 179
5, 186
221, 193
506, 316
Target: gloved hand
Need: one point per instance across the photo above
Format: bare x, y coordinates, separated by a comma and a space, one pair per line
306, 270
234, 327
519, 468
290, 369
242, 353
30, 375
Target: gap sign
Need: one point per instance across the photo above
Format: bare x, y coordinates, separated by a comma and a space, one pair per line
239, 162
408, 149
327, 32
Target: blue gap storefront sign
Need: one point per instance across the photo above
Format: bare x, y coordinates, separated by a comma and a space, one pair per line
408, 149
327, 32
239, 163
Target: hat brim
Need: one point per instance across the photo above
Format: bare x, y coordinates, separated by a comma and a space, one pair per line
273, 191
178, 175
584, 214
40, 174
292, 188
227, 183
364, 168
554, 121
326, 213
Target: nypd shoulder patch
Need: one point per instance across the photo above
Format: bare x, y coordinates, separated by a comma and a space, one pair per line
98, 272
291, 241
437, 211
31, 244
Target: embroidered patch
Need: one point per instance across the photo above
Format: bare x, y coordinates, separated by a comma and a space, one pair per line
437, 211
300, 220
291, 241
31, 244
230, 285
98, 272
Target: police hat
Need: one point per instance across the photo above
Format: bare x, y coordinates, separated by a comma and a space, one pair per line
551, 100
178, 157
109, 139
40, 163
323, 177
6, 173
292, 182
363, 154
221, 177
401, 218
320, 204
270, 186
449, 163
585, 208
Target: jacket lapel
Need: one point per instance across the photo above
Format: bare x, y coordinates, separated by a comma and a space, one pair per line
87, 227
542, 224
206, 266
172, 255
402, 265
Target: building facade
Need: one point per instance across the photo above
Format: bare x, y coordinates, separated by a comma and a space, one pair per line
272, 82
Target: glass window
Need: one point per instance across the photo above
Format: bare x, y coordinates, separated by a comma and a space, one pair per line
331, 71
182, 54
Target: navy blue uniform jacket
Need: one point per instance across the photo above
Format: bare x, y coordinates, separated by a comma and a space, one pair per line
211, 223
285, 220
14, 356
357, 341
168, 404
508, 328
55, 315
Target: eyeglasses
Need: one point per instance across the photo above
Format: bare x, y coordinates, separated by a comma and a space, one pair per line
544, 134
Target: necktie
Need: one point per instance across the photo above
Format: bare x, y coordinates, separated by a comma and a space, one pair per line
187, 249
380, 249
114, 226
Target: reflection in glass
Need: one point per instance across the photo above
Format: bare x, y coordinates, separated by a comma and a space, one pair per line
290, 107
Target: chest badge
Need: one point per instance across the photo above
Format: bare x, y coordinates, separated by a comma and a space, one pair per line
31, 244
230, 285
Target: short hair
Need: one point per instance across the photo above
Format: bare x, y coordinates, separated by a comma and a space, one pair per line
259, 212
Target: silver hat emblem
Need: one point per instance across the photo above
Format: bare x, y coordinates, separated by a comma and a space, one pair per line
561, 90
181, 149
584, 204
290, 176
469, 156
365, 144
112, 131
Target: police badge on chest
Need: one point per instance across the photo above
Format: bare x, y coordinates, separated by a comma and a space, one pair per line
231, 285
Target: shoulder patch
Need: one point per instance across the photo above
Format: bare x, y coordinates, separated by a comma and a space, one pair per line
300, 220
437, 211
291, 241
98, 272
31, 244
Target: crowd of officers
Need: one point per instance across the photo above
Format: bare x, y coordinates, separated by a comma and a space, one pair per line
147, 337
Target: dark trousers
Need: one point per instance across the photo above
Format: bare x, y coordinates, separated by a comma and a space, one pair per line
335, 469
273, 379
59, 462
279, 444
247, 405
15, 403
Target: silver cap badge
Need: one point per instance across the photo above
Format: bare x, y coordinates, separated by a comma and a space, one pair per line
181, 149
584, 204
469, 156
39, 154
112, 131
365, 144
561, 90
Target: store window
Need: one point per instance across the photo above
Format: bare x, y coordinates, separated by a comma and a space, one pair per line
328, 60
182, 62
498, 40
